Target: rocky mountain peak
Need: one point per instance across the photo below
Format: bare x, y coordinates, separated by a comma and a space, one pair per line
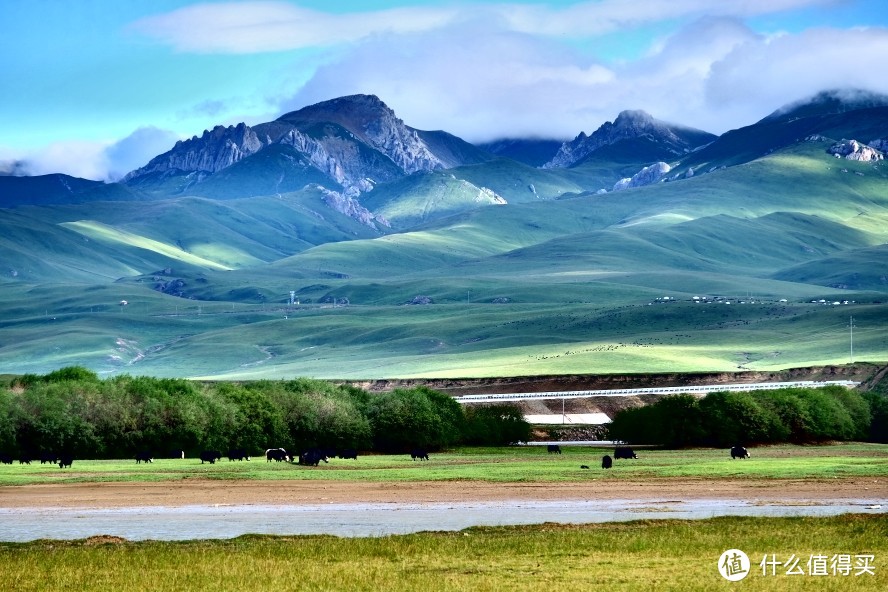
215, 150
633, 118
628, 125
375, 123
353, 112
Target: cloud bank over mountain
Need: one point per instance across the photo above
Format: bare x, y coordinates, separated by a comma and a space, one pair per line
100, 161
482, 70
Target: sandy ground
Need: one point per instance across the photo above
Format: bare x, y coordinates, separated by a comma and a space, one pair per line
207, 492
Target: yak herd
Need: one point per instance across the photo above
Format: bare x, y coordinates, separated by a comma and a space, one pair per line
63, 460
309, 457
312, 456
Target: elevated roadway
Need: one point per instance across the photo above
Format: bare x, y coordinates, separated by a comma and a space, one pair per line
666, 390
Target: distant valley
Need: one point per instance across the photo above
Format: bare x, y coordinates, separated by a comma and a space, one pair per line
339, 242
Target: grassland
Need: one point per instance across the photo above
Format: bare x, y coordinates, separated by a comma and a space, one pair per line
640, 555
161, 335
644, 555
537, 287
500, 465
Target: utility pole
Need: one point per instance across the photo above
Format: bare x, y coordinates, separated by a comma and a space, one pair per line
851, 327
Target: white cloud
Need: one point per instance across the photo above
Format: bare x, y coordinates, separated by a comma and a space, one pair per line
262, 26
781, 69
467, 80
481, 83
136, 150
96, 160
77, 158
605, 16
251, 27
485, 71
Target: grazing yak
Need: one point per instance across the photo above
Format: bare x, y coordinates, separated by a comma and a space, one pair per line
210, 456
553, 449
313, 456
237, 454
348, 453
48, 457
6, 459
144, 456
419, 454
739, 452
623, 452
606, 462
65, 460
277, 454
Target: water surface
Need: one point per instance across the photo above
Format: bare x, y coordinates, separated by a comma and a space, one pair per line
379, 519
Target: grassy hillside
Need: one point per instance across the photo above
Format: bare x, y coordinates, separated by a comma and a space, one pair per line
60, 189
106, 241
756, 141
429, 196
277, 169
859, 269
542, 286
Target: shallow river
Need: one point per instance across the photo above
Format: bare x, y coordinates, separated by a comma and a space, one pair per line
378, 519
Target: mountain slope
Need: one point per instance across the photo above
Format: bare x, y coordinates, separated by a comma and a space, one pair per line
858, 269
828, 114
60, 189
558, 279
532, 152
672, 140
349, 143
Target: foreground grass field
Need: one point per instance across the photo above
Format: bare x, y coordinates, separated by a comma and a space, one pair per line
644, 555
512, 464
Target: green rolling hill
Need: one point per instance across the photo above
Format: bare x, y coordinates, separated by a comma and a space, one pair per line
489, 268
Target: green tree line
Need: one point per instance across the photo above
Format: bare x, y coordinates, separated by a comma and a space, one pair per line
75, 411
722, 419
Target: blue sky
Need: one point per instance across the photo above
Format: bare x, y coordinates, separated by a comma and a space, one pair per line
96, 87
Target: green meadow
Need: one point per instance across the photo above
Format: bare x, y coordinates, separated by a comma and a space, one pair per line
536, 286
641, 555
530, 464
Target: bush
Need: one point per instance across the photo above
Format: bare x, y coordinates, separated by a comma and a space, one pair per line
403, 419
635, 425
318, 413
730, 418
494, 425
256, 422
52, 418
878, 406
726, 418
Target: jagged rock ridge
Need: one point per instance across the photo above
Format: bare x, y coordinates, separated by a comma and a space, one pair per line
215, 150
353, 142
357, 141
374, 123
629, 125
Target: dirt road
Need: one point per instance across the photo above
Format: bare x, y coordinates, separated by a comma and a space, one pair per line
209, 492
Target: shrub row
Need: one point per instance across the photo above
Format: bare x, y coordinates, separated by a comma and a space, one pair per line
73, 410
723, 419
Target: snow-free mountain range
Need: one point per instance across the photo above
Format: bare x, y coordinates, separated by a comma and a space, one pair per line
343, 203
